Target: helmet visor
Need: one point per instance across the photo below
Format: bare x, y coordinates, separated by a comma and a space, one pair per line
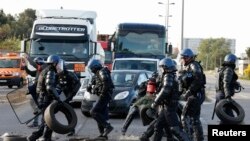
59, 66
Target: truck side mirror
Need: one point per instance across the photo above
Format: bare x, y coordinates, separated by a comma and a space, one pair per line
170, 48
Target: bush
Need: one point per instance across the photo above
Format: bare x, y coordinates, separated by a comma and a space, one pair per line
247, 72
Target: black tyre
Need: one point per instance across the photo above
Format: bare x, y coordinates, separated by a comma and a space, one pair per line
224, 117
54, 124
146, 120
10, 86
14, 138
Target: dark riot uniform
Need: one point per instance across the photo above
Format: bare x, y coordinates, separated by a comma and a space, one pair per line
227, 81
69, 83
46, 88
145, 97
195, 94
102, 86
167, 99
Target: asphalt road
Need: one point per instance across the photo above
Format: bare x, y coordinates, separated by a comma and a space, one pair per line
87, 128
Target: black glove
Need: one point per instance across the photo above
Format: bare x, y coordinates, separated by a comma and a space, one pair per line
229, 99
89, 88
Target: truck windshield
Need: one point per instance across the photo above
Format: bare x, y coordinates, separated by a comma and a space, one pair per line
140, 44
69, 50
9, 63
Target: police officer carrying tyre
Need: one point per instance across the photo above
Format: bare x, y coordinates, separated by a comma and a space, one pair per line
227, 81
195, 80
69, 84
146, 96
102, 86
46, 88
167, 99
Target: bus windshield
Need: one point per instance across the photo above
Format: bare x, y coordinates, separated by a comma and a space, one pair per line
69, 50
145, 43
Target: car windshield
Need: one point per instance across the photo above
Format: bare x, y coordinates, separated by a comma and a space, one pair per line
149, 65
123, 78
9, 63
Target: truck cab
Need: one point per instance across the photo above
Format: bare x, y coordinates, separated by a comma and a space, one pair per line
12, 72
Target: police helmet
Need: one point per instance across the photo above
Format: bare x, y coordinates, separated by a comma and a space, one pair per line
168, 65
53, 59
39, 60
94, 65
187, 53
230, 59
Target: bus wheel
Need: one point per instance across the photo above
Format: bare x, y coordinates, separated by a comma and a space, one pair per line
10, 86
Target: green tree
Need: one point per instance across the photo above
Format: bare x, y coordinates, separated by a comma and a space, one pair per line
24, 24
211, 52
248, 52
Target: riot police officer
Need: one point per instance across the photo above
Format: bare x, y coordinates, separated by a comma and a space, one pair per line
69, 84
146, 94
102, 86
227, 81
46, 88
39, 65
194, 81
167, 99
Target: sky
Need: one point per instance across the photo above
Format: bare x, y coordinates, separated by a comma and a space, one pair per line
202, 18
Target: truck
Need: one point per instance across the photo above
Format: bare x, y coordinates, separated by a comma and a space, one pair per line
103, 40
135, 46
71, 34
141, 40
12, 71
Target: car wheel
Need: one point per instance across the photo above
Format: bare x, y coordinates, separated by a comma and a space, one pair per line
10, 86
236, 108
14, 138
54, 124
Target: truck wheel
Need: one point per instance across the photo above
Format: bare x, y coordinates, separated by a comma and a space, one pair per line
20, 84
236, 108
10, 86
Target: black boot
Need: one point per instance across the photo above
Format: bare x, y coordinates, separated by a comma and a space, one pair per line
144, 137
179, 133
71, 133
46, 135
107, 130
157, 136
131, 115
35, 135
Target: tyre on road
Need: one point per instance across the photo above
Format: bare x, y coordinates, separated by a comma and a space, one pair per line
224, 117
54, 124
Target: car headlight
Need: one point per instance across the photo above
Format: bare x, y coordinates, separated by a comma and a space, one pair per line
121, 95
16, 74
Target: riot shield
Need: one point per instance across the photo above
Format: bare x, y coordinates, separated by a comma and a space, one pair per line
22, 105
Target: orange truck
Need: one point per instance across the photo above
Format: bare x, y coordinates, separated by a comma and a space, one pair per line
12, 72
